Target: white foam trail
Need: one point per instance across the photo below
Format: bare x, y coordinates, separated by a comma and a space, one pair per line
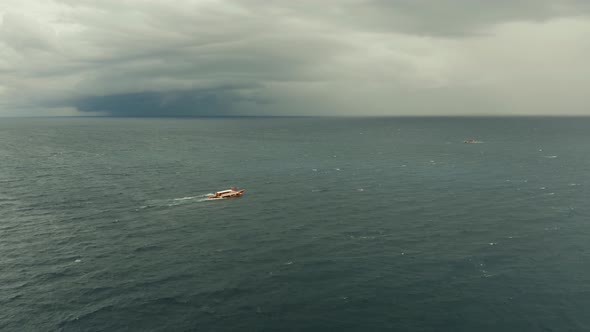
185, 198
209, 199
171, 202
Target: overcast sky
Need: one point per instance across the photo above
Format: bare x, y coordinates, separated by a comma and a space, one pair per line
294, 57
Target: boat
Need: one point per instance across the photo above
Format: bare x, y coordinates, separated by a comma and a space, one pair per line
229, 193
471, 141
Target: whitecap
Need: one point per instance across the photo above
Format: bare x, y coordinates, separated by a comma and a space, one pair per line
77, 260
550, 157
486, 274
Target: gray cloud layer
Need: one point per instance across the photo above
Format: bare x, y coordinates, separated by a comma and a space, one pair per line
335, 57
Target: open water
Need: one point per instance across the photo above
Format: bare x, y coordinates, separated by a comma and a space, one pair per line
382, 224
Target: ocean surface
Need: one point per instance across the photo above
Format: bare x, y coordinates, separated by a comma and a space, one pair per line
377, 224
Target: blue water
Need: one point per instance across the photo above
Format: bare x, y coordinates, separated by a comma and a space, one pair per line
385, 224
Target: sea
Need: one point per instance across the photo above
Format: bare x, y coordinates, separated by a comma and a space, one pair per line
346, 224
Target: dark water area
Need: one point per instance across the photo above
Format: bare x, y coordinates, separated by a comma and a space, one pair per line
380, 224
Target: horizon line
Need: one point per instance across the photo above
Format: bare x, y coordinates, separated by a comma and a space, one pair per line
298, 116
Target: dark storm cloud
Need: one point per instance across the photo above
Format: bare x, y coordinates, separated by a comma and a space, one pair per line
350, 57
211, 102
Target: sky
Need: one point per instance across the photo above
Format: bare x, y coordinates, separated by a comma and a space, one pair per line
304, 57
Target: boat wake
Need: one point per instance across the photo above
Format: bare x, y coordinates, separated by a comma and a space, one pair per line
172, 202
185, 198
207, 197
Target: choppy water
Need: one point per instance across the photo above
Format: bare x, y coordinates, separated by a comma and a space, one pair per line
346, 225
